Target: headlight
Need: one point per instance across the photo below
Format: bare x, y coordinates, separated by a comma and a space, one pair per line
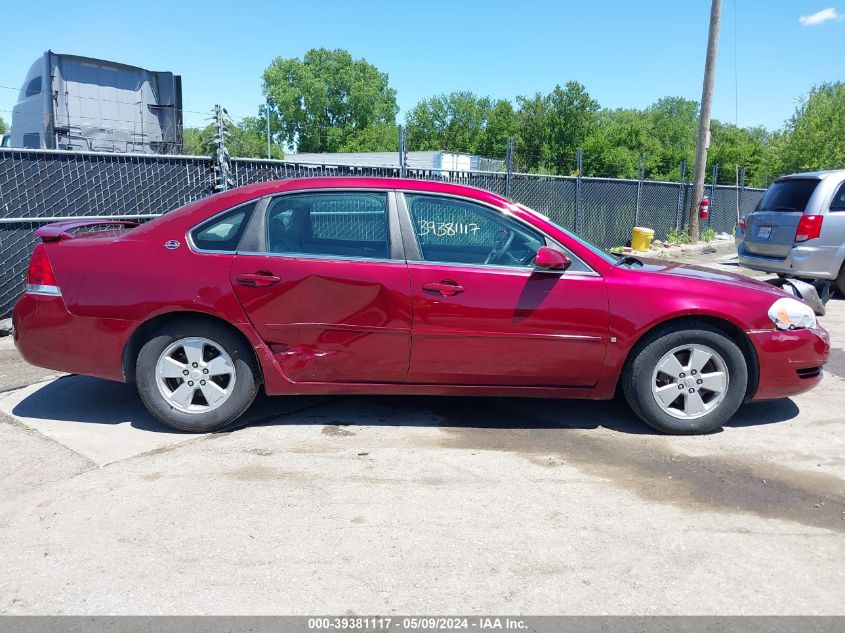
791, 314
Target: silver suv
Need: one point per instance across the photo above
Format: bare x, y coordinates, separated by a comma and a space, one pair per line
798, 228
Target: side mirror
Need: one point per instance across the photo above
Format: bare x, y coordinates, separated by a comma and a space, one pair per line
551, 259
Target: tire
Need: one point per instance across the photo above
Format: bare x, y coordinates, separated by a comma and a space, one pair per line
840, 281
699, 407
216, 391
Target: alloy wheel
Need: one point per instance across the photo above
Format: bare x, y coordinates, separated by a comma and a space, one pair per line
195, 375
690, 381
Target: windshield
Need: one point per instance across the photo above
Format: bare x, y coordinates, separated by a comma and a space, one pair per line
605, 255
791, 194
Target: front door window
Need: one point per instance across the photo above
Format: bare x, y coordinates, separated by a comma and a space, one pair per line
456, 231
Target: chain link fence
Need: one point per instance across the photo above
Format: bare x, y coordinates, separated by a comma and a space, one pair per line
42, 186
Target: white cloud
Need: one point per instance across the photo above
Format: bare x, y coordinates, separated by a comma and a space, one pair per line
825, 15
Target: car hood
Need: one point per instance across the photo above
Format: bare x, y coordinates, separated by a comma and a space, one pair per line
689, 271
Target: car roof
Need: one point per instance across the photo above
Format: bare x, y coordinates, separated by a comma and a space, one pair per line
815, 174
361, 182
211, 205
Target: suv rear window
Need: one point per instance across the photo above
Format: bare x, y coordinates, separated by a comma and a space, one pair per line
788, 195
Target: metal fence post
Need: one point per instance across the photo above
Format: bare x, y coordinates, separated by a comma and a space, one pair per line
580, 164
640, 174
682, 171
509, 166
740, 194
402, 161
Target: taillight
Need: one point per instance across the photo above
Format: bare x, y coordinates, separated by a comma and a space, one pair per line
742, 224
809, 228
39, 277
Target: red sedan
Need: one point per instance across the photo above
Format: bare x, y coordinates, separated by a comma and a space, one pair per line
385, 286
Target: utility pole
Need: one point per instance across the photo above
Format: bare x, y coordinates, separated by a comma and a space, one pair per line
703, 141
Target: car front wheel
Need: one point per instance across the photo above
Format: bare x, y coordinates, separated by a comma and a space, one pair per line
196, 376
686, 379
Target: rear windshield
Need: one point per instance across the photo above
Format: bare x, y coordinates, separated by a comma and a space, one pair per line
788, 195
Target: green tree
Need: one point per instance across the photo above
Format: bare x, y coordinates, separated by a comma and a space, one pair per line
324, 99
732, 147
3, 128
616, 143
381, 137
501, 125
814, 137
674, 124
533, 151
247, 139
197, 141
571, 118
550, 128
454, 122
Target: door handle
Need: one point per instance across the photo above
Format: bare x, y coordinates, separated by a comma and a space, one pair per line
260, 279
447, 287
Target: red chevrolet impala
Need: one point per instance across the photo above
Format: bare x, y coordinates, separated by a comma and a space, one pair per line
385, 286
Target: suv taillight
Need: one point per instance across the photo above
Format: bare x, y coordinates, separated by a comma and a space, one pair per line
39, 277
742, 224
809, 228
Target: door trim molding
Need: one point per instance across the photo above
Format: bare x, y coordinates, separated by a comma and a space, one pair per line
347, 327
500, 334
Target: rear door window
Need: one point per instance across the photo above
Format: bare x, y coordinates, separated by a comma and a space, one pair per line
335, 224
792, 194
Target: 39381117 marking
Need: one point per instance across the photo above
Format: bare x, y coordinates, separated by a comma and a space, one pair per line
447, 229
350, 623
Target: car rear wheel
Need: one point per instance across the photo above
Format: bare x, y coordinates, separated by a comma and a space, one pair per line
686, 379
196, 376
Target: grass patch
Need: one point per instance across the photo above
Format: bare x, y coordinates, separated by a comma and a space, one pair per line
678, 236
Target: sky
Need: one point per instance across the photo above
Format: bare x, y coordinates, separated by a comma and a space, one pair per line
627, 54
